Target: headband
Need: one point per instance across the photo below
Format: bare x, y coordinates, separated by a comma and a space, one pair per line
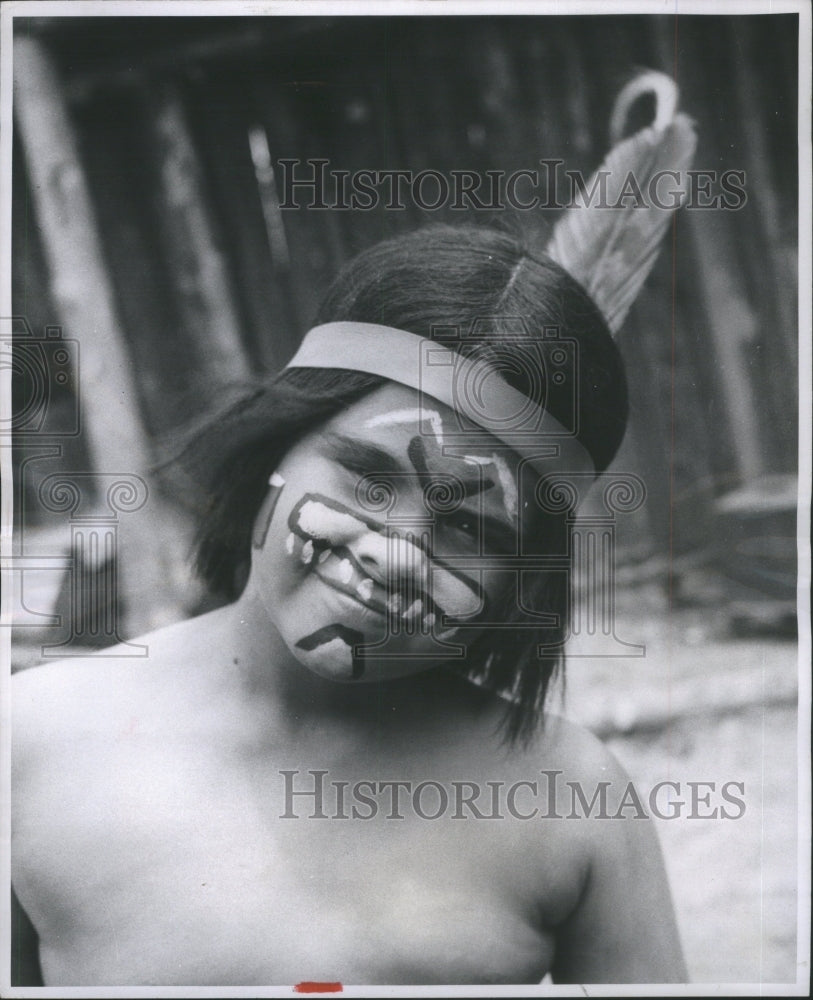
472, 387
609, 253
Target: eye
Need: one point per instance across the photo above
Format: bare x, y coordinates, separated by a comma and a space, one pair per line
353, 465
466, 525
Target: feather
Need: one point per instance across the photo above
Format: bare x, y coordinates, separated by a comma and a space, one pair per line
608, 239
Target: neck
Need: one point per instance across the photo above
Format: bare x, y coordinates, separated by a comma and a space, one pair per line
303, 698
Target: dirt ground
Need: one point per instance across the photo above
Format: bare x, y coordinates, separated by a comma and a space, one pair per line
703, 707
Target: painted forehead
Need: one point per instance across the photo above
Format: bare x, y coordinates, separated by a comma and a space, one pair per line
427, 433
395, 415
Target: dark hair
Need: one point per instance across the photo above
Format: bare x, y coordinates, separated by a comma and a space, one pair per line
445, 276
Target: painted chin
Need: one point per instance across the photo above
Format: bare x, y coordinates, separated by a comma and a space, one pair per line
329, 652
332, 607
337, 625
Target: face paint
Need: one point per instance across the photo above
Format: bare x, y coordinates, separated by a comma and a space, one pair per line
432, 417
327, 570
323, 520
348, 543
506, 478
332, 643
275, 484
418, 457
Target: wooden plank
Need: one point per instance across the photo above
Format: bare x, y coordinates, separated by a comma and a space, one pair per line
113, 132
290, 115
196, 263
221, 122
84, 300
768, 246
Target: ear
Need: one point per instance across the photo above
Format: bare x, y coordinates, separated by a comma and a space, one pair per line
276, 484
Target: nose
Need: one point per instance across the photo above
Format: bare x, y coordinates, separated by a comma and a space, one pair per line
396, 560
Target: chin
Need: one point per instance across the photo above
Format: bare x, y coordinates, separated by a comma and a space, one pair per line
328, 652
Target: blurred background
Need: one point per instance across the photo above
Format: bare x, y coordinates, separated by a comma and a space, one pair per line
155, 272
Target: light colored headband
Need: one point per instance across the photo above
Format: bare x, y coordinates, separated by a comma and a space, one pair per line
608, 250
472, 387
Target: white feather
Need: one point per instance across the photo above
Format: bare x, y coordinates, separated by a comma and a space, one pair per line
610, 251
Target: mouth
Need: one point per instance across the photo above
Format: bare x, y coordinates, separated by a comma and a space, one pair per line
333, 572
337, 568
323, 535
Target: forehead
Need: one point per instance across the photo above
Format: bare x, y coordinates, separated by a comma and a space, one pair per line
393, 415
418, 431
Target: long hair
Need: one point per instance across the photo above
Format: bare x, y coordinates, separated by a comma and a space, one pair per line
449, 277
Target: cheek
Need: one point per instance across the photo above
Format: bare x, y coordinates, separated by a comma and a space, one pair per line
497, 586
276, 484
273, 545
456, 594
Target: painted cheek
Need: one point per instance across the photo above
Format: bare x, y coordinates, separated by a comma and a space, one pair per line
398, 565
276, 484
455, 595
505, 476
321, 519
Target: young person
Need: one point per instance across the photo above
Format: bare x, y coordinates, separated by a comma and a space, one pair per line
345, 773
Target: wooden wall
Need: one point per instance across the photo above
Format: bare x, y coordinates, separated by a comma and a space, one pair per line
213, 282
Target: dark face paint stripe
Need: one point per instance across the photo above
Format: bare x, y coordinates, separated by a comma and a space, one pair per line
321, 636
419, 541
267, 509
336, 631
416, 450
340, 508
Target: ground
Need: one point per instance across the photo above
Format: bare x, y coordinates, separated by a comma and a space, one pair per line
702, 706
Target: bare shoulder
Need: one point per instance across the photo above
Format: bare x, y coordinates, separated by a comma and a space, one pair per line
622, 927
588, 787
80, 730
573, 752
66, 707
70, 695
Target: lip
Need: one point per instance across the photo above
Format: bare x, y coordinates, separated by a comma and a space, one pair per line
376, 609
349, 592
338, 569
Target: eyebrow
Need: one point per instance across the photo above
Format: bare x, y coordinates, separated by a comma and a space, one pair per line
361, 455
369, 458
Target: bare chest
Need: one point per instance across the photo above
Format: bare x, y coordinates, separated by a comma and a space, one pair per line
220, 882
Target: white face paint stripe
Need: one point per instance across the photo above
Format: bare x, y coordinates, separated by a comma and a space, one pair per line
453, 594
326, 524
508, 483
410, 417
505, 476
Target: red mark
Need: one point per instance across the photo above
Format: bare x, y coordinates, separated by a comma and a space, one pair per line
318, 988
130, 728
